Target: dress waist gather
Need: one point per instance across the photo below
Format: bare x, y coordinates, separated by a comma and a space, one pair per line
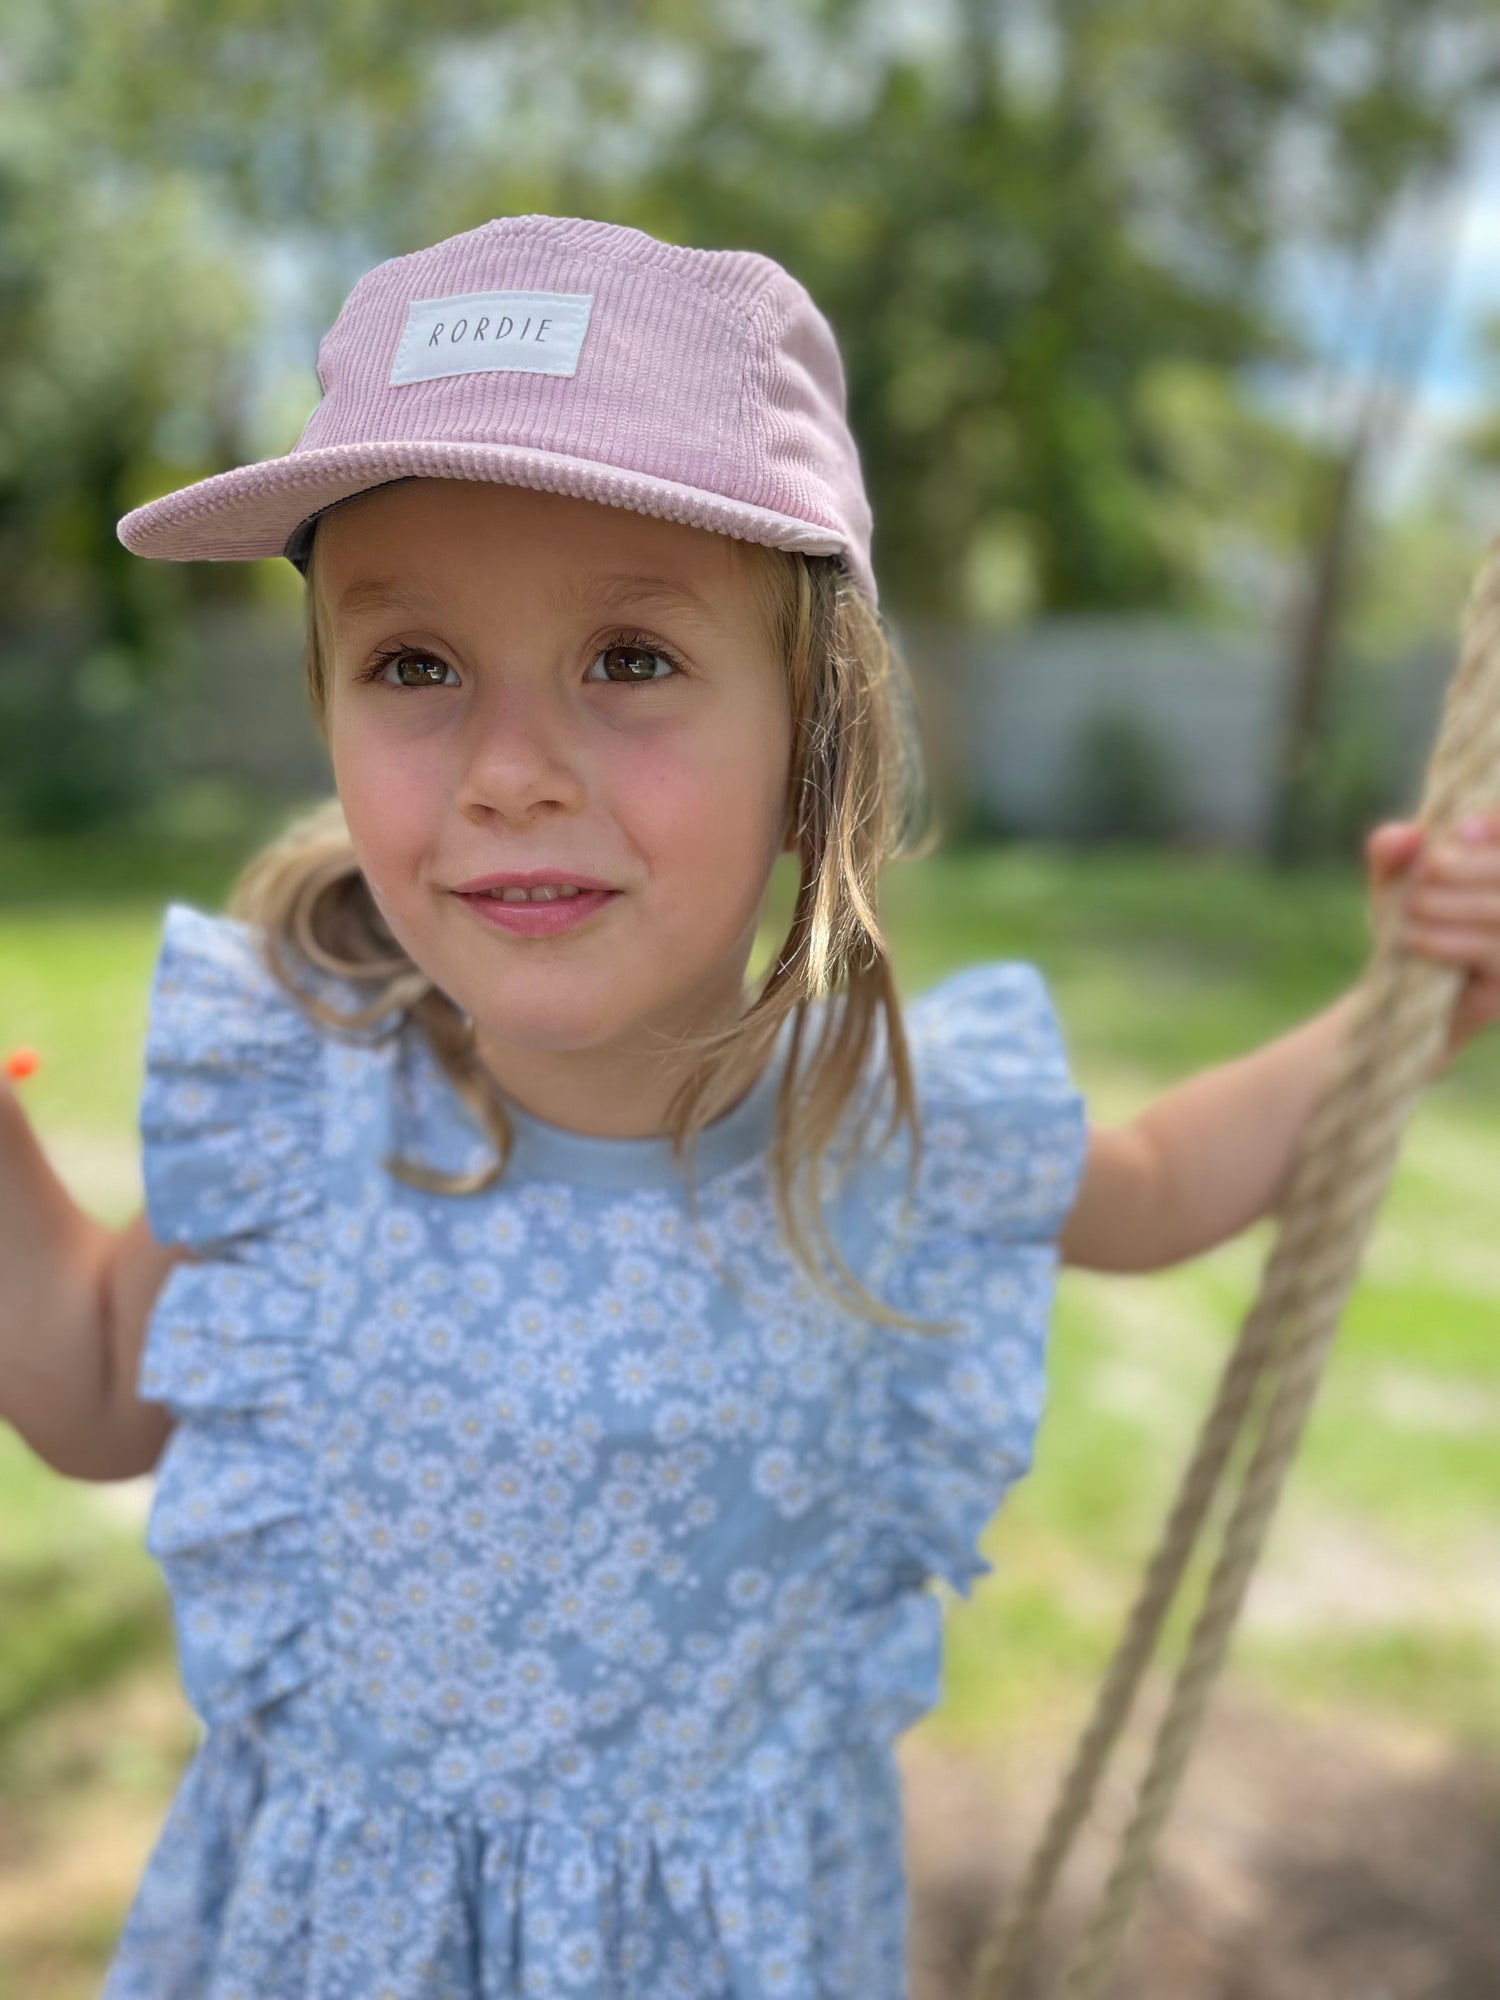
324, 1753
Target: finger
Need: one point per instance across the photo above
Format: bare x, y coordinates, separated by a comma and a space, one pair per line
1460, 864
1471, 908
1395, 834
1479, 950
1390, 849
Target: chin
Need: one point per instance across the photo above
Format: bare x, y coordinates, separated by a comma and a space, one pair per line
549, 1021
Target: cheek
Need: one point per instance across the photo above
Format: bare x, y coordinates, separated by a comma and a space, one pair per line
704, 810
386, 806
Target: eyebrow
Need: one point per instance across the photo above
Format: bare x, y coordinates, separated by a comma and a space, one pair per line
621, 588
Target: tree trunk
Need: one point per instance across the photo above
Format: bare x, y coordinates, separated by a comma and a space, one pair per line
1314, 657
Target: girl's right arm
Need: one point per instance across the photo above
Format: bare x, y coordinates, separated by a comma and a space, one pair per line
75, 1301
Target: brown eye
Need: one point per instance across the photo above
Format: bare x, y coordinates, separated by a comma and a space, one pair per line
430, 669
625, 663
429, 672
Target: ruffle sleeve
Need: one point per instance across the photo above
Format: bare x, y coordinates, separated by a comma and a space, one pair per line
231, 1122
1004, 1138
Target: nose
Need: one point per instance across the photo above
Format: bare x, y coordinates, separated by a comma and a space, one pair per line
519, 758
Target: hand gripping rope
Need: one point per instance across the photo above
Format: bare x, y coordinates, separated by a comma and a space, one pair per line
1341, 1168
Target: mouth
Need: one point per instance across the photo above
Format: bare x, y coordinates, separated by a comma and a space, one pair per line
545, 910
544, 892
524, 880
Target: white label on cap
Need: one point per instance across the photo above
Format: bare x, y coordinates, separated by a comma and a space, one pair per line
538, 331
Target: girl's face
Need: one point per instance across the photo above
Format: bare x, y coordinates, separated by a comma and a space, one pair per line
521, 681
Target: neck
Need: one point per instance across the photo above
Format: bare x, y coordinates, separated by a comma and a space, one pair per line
621, 1091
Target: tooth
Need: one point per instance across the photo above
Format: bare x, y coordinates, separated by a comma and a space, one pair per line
547, 892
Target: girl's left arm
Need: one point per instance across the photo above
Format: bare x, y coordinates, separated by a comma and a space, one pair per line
1213, 1154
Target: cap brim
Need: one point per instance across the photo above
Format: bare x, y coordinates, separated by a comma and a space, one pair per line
256, 510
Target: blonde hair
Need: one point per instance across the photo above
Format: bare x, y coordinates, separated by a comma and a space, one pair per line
858, 799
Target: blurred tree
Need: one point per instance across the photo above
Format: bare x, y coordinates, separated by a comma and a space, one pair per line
111, 308
1388, 99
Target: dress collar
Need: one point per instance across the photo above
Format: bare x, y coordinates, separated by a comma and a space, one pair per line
543, 1151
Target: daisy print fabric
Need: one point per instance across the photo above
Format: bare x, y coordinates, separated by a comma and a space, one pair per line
552, 1566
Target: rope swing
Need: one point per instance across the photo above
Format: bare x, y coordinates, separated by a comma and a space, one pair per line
1342, 1165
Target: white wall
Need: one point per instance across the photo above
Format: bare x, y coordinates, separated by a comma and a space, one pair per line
1005, 714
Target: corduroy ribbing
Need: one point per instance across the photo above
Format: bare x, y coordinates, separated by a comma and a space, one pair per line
707, 389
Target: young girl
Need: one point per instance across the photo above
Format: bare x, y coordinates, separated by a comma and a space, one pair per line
576, 1367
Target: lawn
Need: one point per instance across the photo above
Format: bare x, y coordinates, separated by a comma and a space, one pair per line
1378, 1589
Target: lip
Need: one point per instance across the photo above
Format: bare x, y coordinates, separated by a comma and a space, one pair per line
533, 878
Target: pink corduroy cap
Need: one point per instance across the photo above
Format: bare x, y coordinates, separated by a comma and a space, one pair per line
571, 356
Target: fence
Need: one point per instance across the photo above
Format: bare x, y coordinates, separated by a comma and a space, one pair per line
1081, 725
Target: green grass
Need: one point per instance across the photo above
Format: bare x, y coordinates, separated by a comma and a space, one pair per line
1159, 964
83, 1601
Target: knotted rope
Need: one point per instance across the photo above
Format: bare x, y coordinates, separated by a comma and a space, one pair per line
1342, 1165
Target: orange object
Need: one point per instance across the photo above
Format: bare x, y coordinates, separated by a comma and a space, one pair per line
19, 1063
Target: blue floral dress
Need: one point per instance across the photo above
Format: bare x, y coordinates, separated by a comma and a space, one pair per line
552, 1574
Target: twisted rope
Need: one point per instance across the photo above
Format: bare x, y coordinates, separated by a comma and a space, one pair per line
1341, 1168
